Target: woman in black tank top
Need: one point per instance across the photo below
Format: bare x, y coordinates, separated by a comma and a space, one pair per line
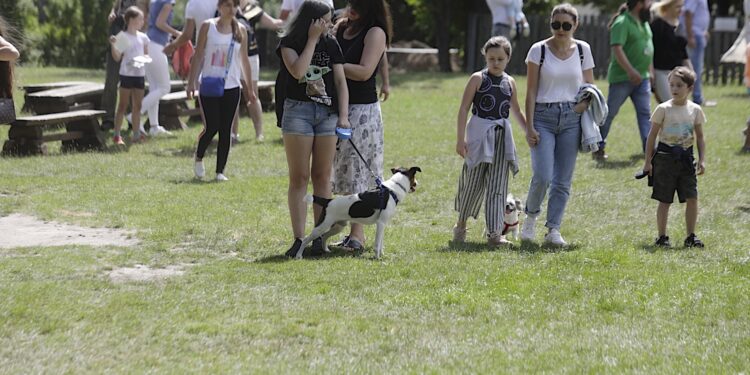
364, 34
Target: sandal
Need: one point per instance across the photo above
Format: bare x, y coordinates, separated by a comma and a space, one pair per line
354, 245
344, 241
693, 241
663, 241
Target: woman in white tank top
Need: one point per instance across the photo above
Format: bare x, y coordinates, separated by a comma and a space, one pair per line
219, 54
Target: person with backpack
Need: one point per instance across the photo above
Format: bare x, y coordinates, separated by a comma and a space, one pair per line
630, 68
556, 68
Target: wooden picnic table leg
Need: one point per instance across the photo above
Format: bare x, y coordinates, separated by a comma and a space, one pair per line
93, 138
24, 141
169, 116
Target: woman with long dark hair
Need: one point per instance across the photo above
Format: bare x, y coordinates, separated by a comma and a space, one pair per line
316, 103
363, 34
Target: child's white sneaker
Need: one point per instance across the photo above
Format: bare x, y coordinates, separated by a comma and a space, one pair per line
555, 238
528, 231
199, 169
220, 177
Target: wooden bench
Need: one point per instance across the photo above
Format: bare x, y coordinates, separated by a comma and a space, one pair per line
86, 96
265, 94
83, 132
174, 105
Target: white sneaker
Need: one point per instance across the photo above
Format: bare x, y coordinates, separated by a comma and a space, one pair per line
199, 169
528, 230
555, 238
220, 177
158, 130
235, 139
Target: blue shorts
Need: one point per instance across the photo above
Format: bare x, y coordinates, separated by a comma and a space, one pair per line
308, 118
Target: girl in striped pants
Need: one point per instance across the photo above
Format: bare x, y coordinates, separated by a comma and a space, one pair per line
486, 143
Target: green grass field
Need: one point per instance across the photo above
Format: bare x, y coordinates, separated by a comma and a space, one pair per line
610, 303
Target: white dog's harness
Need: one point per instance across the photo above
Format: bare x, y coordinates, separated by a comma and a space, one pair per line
507, 226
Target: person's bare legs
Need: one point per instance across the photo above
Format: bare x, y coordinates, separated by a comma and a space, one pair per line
298, 150
323, 151
137, 96
662, 214
691, 215
746, 147
256, 114
122, 106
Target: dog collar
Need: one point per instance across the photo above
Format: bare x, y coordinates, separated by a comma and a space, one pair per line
401, 186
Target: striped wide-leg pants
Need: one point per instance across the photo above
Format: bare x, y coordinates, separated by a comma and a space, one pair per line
492, 178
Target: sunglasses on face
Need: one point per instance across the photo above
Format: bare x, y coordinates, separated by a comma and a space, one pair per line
565, 25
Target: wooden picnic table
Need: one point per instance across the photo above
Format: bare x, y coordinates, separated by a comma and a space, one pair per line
82, 132
86, 96
32, 88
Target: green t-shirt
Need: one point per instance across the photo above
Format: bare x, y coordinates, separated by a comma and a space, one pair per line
635, 38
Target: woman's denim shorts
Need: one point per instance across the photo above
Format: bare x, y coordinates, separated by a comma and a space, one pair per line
308, 118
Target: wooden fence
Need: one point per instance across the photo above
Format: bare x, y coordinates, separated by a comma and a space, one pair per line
592, 29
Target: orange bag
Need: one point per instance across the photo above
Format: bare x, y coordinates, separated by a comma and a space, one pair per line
181, 60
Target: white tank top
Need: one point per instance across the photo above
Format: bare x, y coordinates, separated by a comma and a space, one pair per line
216, 57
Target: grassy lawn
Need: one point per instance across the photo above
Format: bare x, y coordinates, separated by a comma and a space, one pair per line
610, 303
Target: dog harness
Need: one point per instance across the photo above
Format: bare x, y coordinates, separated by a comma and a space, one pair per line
507, 227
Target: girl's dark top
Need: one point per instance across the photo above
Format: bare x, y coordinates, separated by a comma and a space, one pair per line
670, 49
492, 99
252, 41
360, 92
318, 84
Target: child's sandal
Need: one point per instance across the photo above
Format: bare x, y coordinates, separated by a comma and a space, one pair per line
693, 241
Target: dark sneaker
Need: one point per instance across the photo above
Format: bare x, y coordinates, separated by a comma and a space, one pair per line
599, 155
693, 241
292, 252
663, 241
107, 125
344, 241
316, 249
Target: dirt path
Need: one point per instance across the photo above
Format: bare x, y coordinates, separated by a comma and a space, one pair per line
18, 230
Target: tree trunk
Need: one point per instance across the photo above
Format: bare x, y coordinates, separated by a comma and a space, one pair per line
442, 35
41, 15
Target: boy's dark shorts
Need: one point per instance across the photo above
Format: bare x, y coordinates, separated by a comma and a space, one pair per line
128, 82
672, 175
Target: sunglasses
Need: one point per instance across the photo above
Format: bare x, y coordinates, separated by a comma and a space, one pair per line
565, 25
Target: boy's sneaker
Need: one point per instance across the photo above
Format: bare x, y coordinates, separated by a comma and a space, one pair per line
459, 235
260, 139
199, 169
663, 241
496, 239
292, 252
220, 177
693, 241
528, 230
118, 140
553, 237
157, 130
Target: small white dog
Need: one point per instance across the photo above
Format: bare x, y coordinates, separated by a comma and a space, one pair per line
371, 207
510, 218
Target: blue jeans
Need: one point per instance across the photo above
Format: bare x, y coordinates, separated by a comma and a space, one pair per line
553, 159
640, 95
696, 58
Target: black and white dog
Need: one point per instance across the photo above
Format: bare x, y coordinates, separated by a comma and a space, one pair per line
375, 206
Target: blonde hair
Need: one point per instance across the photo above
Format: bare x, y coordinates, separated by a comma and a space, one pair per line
659, 6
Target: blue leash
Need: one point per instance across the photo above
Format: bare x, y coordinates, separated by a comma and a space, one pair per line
346, 134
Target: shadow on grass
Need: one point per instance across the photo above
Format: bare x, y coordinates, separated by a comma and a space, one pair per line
631, 161
336, 252
520, 247
183, 151
744, 209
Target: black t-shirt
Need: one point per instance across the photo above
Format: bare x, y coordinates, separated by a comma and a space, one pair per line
360, 92
670, 49
252, 42
318, 84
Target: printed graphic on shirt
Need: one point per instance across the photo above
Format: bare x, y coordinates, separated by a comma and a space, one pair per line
488, 94
316, 87
677, 134
219, 58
